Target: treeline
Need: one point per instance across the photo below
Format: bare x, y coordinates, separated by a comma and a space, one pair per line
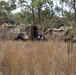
49, 12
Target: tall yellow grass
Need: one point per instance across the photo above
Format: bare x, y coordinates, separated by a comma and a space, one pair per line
36, 58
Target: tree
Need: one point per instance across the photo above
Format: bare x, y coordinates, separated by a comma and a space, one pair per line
62, 3
34, 6
57, 10
24, 3
6, 8
39, 4
3, 15
73, 2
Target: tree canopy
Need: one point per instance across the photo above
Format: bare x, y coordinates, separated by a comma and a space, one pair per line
41, 11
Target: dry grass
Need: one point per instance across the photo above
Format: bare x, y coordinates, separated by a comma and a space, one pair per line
36, 58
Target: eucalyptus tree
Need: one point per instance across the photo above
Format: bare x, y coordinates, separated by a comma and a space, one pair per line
5, 8
27, 5
45, 4
72, 9
10, 7
73, 2
62, 3
34, 6
57, 9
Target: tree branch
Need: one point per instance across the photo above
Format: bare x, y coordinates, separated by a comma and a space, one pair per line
25, 5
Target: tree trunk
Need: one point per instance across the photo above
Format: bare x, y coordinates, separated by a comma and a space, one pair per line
39, 12
39, 16
62, 9
74, 5
33, 14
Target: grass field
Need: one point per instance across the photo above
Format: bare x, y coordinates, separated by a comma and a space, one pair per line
37, 58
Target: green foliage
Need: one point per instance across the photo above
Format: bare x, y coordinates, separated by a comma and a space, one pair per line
13, 6
62, 1
18, 17
40, 10
3, 17
3, 4
58, 9
22, 17
21, 1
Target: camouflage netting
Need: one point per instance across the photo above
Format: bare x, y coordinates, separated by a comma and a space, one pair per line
55, 36
7, 33
10, 33
61, 24
67, 35
70, 35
